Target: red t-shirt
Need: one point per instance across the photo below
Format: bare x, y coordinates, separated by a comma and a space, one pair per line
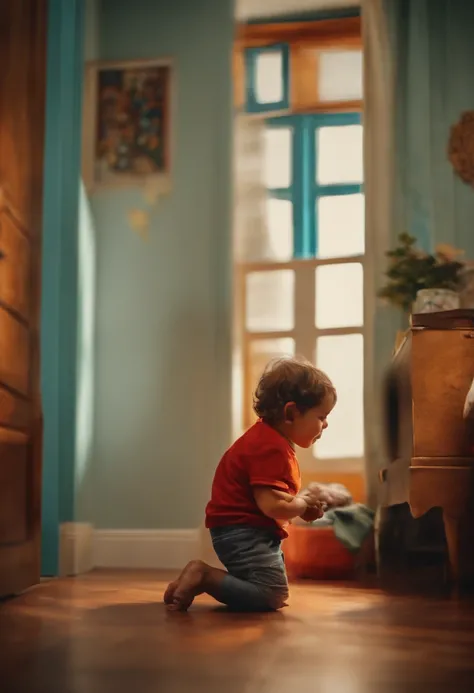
261, 457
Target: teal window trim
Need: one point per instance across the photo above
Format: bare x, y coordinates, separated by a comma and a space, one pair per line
251, 56
304, 190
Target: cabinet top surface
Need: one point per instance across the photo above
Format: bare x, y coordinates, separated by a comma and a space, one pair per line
462, 318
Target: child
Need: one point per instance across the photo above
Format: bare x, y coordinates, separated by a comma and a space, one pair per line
256, 492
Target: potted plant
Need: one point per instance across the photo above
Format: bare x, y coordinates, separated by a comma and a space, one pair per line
421, 282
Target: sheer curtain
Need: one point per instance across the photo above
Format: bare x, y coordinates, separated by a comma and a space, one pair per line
250, 193
380, 232
434, 54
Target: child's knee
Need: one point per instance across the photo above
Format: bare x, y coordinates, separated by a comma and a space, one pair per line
276, 600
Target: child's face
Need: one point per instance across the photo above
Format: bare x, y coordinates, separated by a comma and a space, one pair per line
307, 428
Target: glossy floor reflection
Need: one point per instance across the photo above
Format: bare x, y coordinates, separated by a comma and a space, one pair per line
108, 632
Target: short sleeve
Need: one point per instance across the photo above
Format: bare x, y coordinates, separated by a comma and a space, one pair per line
271, 467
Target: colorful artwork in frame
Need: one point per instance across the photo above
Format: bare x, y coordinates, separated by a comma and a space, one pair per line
127, 124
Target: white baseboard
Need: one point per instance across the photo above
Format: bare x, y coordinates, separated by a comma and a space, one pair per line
161, 549
75, 548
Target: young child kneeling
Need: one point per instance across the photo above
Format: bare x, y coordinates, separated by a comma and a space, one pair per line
256, 492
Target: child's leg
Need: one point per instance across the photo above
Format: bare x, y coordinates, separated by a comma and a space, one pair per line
240, 595
256, 578
244, 595
200, 578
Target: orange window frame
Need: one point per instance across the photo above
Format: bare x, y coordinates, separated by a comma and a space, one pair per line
305, 41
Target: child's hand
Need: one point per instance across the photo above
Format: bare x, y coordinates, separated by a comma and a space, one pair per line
311, 495
313, 513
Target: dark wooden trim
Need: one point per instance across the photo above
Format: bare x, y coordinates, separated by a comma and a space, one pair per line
345, 31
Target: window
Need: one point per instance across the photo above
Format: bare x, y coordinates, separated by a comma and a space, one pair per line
313, 173
301, 277
307, 66
304, 294
267, 78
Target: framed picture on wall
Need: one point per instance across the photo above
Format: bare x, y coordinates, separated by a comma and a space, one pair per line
127, 124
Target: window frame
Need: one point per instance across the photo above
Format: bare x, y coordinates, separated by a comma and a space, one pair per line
305, 39
302, 42
251, 55
304, 191
305, 332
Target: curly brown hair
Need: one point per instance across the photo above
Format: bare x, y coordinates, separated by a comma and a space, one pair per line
290, 380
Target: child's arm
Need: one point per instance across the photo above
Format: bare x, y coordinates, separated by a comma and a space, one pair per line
314, 510
277, 504
280, 505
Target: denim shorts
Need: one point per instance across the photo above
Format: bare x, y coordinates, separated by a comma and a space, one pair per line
256, 579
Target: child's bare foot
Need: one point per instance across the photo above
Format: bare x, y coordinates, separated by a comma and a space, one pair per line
170, 590
180, 594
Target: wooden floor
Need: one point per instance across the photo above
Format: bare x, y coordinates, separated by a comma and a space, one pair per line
109, 633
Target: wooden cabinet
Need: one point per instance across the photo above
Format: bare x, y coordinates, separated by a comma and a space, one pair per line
432, 446
442, 369
22, 97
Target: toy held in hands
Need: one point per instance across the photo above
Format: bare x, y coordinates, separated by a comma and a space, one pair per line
329, 495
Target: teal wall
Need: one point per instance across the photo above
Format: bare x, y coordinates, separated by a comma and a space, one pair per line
162, 345
60, 261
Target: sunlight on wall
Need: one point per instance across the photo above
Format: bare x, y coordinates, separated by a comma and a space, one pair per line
85, 344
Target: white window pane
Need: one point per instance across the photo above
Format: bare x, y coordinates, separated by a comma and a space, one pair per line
280, 230
278, 157
339, 295
342, 359
340, 157
269, 77
341, 225
261, 352
270, 301
340, 75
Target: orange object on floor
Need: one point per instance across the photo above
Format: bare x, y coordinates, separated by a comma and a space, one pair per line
316, 554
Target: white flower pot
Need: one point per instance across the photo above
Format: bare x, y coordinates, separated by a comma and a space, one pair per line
435, 300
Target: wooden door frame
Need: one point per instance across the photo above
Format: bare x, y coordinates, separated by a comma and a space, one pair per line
59, 304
